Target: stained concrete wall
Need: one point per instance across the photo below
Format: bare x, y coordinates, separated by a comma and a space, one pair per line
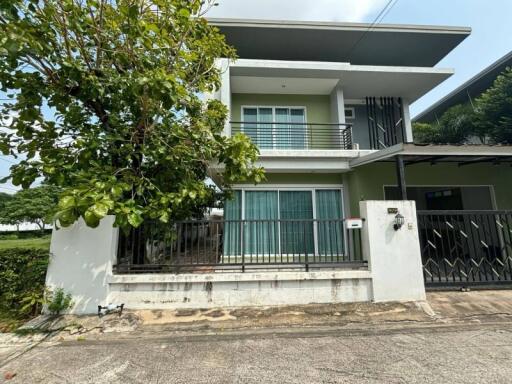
394, 256
81, 260
239, 289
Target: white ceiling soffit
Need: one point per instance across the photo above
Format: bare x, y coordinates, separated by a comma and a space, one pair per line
357, 81
282, 85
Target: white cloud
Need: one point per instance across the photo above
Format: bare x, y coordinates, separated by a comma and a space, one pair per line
313, 10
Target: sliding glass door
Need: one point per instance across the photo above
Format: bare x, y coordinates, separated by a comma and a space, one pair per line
296, 213
329, 225
285, 222
257, 124
276, 127
261, 226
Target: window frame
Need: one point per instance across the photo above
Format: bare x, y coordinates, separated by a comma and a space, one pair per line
312, 190
353, 112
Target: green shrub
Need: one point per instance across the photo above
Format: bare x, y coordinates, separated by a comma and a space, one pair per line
58, 301
10, 236
22, 280
25, 234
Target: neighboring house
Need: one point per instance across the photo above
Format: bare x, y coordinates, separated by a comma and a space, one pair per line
467, 92
328, 106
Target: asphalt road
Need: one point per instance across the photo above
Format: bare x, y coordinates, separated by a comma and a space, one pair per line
457, 354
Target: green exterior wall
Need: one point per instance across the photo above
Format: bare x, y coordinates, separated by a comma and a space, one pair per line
300, 178
366, 182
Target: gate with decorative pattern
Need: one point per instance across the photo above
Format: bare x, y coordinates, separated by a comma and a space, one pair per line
464, 248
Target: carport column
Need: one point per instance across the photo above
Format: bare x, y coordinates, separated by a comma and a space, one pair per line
81, 260
393, 256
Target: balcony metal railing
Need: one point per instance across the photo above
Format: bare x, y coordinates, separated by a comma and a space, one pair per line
276, 135
207, 245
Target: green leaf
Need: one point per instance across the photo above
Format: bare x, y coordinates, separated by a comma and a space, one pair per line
135, 219
67, 202
91, 219
183, 12
100, 210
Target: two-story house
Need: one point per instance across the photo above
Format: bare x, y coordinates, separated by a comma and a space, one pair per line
328, 106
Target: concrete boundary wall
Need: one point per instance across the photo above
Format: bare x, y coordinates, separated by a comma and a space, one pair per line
394, 256
239, 289
81, 260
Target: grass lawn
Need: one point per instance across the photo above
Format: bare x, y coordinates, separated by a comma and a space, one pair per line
35, 242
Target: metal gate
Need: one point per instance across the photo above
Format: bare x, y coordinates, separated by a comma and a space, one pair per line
463, 248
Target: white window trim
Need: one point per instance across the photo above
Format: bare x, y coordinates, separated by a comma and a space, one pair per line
273, 108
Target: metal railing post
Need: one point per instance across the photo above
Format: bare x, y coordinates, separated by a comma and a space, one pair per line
242, 244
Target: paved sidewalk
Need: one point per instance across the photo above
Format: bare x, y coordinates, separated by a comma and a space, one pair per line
467, 339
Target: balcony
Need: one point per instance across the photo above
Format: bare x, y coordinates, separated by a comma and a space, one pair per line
296, 136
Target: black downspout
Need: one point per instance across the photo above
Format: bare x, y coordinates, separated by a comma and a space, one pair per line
400, 175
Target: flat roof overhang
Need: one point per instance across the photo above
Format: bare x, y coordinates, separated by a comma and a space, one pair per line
357, 43
461, 155
357, 81
471, 89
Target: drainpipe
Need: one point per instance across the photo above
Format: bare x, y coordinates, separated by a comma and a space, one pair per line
400, 175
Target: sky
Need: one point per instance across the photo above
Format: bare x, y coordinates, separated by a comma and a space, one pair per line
491, 36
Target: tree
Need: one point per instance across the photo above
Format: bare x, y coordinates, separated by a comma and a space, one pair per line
455, 126
4, 217
495, 109
4, 198
132, 135
34, 205
424, 133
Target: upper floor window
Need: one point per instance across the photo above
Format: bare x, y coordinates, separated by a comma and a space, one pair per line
350, 113
276, 127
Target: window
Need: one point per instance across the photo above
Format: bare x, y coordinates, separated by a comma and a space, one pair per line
289, 222
276, 127
350, 113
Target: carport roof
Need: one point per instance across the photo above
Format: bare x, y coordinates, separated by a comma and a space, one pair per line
440, 153
356, 43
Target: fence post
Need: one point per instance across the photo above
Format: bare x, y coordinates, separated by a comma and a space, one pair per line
242, 244
306, 253
394, 255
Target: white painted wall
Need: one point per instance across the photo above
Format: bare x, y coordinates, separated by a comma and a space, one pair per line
394, 257
81, 260
213, 290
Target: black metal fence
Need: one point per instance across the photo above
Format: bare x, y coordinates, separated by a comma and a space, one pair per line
274, 135
462, 248
204, 246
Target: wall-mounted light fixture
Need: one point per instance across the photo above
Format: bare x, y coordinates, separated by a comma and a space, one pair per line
399, 221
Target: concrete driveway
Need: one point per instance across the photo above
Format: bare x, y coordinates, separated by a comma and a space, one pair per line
447, 347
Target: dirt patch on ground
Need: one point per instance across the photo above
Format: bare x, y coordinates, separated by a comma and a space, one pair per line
442, 307
481, 306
